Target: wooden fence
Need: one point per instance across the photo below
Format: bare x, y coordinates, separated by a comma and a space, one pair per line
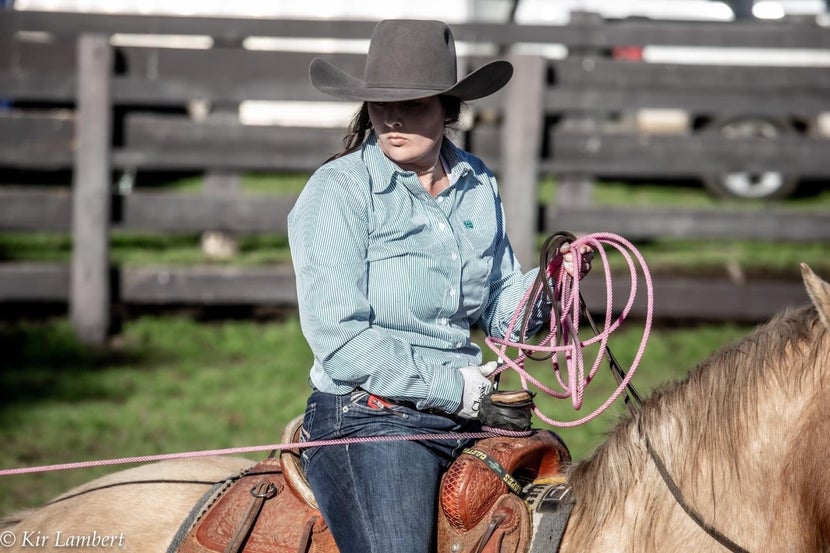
80, 103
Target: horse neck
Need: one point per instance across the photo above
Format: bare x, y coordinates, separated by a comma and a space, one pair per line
729, 435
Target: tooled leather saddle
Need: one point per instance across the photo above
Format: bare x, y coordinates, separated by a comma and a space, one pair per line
485, 506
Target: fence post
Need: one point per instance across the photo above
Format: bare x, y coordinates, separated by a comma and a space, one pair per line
89, 297
521, 145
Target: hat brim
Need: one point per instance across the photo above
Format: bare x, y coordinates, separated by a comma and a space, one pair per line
330, 79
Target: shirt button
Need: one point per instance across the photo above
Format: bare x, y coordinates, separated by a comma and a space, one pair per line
459, 344
442, 226
452, 291
443, 321
440, 199
454, 256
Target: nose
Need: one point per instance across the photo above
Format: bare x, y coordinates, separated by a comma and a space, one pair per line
392, 117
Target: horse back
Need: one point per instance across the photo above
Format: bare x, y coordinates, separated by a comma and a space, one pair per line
268, 508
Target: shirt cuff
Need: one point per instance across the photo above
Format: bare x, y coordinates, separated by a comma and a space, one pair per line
444, 391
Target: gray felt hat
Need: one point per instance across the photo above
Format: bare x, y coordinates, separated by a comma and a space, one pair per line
409, 59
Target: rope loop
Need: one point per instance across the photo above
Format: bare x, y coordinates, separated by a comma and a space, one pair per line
562, 345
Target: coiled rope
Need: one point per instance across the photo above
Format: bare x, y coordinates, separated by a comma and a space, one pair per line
563, 343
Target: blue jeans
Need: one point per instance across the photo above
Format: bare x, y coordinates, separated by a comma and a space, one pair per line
382, 496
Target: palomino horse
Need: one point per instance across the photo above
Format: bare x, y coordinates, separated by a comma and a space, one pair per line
735, 456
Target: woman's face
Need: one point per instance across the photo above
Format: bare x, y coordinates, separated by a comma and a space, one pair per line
409, 132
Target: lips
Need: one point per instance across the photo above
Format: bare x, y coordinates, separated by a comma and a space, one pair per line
396, 140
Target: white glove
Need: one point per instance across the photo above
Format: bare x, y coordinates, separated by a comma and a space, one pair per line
476, 386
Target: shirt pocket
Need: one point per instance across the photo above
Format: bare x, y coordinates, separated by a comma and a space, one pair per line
477, 252
475, 284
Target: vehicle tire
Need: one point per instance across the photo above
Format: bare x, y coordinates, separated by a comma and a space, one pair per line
743, 185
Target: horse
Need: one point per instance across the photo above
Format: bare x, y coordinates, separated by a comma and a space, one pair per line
731, 458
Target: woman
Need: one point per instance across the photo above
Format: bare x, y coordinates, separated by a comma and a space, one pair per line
399, 248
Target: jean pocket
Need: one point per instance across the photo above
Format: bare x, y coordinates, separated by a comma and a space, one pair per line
358, 404
358, 397
308, 422
365, 405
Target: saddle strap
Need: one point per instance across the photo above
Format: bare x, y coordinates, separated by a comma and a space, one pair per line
550, 505
495, 521
512, 484
305, 539
261, 492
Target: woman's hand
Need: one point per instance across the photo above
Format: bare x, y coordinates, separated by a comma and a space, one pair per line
586, 254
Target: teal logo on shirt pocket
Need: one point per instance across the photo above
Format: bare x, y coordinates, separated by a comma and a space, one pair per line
468, 224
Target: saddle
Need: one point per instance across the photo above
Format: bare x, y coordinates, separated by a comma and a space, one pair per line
270, 507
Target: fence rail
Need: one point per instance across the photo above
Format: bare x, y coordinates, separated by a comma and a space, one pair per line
82, 101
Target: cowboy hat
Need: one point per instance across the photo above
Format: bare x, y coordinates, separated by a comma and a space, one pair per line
409, 59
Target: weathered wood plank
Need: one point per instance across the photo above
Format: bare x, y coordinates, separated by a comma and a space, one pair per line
618, 153
70, 24
162, 75
166, 212
178, 143
167, 75
645, 224
209, 285
36, 140
521, 145
688, 298
720, 103
582, 33
37, 210
675, 297
595, 72
34, 282
683, 155
25, 209
607, 34
89, 308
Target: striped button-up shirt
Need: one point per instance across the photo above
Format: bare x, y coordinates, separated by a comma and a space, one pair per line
390, 279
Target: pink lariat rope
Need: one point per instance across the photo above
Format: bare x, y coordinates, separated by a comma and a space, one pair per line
486, 433
563, 339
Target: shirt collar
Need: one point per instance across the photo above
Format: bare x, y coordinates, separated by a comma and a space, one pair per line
384, 172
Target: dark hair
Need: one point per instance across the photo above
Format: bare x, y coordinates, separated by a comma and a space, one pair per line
360, 126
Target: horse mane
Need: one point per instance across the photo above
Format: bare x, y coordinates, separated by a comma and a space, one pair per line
703, 416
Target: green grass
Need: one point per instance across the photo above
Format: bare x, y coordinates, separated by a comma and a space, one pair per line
252, 183
691, 195
131, 249
710, 257
170, 384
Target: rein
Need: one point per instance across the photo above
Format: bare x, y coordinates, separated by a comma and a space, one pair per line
693, 514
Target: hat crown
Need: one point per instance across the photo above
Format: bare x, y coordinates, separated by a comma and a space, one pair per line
409, 59
409, 53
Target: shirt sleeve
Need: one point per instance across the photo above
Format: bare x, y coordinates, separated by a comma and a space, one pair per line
328, 231
508, 285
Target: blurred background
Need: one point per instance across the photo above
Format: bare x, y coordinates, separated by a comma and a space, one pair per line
151, 150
